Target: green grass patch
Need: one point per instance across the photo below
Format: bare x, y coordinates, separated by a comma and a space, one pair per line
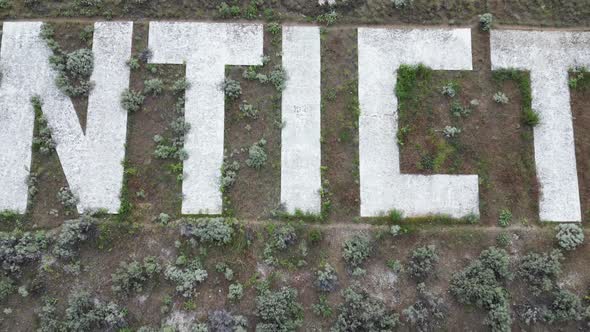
522, 79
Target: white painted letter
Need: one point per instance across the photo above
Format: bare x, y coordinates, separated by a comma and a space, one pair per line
91, 161
205, 48
548, 55
383, 187
300, 138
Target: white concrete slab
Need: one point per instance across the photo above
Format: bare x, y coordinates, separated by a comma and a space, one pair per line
383, 187
205, 48
548, 55
300, 138
92, 162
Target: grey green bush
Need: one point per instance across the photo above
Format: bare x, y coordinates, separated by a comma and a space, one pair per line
231, 88
153, 87
131, 277
278, 310
218, 230
569, 236
223, 320
486, 21
356, 250
186, 275
481, 283
19, 248
131, 101
540, 271
326, 278
257, 155
361, 312
422, 262
72, 233
427, 313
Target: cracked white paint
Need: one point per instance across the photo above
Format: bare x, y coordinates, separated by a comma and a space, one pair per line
205, 48
548, 55
300, 138
92, 161
383, 187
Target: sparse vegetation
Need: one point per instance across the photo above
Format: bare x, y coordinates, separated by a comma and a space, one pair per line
131, 277
422, 262
186, 275
356, 250
278, 310
218, 231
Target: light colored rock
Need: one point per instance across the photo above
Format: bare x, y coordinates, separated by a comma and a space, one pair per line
300, 138
329, 2
383, 187
206, 48
92, 161
548, 55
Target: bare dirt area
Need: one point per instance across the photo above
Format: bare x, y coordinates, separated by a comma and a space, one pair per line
149, 268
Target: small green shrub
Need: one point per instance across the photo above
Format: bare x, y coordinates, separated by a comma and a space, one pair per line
539, 271
236, 292
481, 284
222, 320
43, 139
7, 287
283, 236
257, 155
500, 98
459, 110
569, 236
451, 132
322, 308
486, 21
565, 306
131, 101
218, 231
228, 273
231, 88
278, 310
229, 175
153, 87
83, 313
248, 111
67, 199
503, 240
530, 117
422, 262
356, 250
505, 218
395, 216
278, 78
186, 276
428, 313
326, 278
131, 277
180, 86
361, 312
449, 89
72, 233
18, 249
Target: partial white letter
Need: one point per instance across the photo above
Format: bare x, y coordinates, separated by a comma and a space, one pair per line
383, 187
205, 48
548, 55
300, 139
91, 161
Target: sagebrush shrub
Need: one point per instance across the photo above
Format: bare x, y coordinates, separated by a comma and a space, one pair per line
222, 320
153, 87
218, 231
486, 21
422, 262
326, 278
248, 111
278, 310
540, 271
451, 132
505, 218
235, 292
257, 154
72, 233
229, 175
67, 198
428, 312
566, 306
569, 236
482, 283
131, 101
231, 88
18, 248
449, 89
501, 98
356, 250
186, 276
130, 277
361, 312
